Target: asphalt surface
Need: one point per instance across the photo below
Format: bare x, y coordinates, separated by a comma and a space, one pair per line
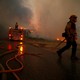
42, 64
45, 65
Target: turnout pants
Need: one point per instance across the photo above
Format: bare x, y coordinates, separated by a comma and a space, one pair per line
67, 46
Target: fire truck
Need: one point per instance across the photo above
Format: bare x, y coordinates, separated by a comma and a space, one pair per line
16, 34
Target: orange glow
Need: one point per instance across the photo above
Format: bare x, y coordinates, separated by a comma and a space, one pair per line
21, 35
21, 48
9, 34
62, 39
21, 38
58, 39
21, 43
21, 28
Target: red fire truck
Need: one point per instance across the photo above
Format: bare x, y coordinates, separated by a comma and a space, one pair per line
16, 34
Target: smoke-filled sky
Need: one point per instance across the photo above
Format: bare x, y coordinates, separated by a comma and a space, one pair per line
47, 17
12, 11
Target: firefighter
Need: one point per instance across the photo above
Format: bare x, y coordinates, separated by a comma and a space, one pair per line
70, 37
16, 26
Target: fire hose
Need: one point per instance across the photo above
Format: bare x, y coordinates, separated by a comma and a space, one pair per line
14, 70
60, 43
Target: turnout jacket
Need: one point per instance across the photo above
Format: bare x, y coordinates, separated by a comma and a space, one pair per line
71, 31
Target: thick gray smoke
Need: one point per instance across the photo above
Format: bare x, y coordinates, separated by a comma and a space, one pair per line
52, 16
48, 17
12, 11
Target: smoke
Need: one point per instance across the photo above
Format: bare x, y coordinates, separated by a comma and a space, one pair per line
12, 11
51, 16
47, 17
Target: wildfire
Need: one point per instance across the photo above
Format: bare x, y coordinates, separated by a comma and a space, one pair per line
60, 39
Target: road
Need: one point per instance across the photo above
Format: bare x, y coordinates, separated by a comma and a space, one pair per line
38, 63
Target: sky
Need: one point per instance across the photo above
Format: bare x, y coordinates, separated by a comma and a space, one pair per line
12, 11
48, 18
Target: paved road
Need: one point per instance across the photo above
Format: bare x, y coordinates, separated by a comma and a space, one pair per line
42, 64
45, 65
7, 51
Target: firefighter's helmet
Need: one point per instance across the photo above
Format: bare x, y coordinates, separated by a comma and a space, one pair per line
73, 16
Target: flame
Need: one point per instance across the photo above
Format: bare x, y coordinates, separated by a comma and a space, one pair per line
58, 39
21, 43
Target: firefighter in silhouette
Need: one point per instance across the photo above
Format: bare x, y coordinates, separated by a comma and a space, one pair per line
16, 26
70, 36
